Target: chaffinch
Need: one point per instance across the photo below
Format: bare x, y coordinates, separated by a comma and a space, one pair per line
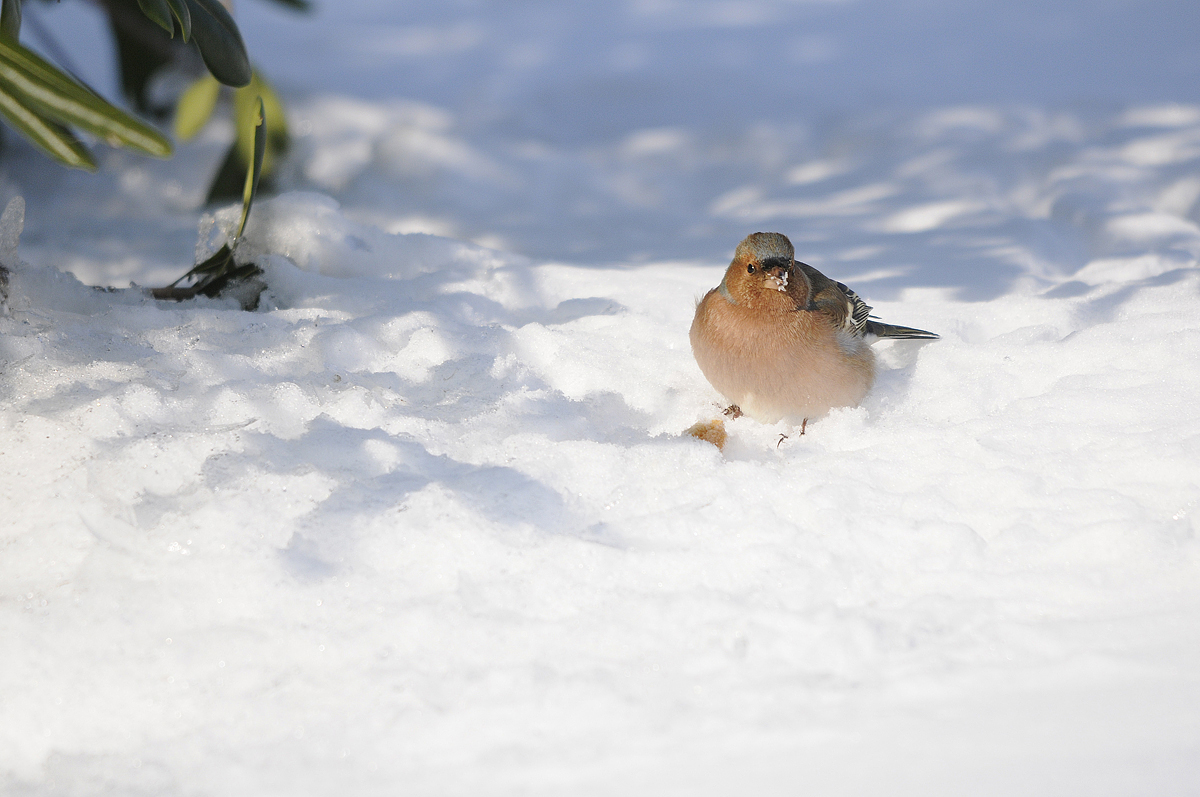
779, 339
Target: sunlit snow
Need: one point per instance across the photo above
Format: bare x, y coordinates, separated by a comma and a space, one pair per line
427, 521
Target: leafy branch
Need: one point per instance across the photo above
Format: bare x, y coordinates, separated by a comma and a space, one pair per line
46, 105
40, 101
220, 271
143, 51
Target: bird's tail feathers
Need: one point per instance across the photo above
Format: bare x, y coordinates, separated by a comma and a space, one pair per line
882, 330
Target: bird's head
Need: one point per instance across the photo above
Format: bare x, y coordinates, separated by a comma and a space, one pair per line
762, 274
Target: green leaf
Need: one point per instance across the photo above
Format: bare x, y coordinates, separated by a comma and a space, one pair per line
180, 10
216, 285
300, 5
55, 140
195, 107
161, 11
228, 182
220, 42
255, 170
216, 262
246, 103
221, 271
141, 52
10, 19
36, 85
158, 12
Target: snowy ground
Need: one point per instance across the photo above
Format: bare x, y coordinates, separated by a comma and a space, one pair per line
426, 523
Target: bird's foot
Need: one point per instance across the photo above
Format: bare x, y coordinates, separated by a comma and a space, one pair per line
782, 437
733, 411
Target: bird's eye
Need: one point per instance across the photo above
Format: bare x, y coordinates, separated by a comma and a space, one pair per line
750, 269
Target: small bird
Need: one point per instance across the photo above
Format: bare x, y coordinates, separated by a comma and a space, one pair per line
779, 339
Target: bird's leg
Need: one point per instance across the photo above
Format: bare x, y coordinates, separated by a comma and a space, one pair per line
782, 437
733, 411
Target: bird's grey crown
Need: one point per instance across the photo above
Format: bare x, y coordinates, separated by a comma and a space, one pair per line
765, 246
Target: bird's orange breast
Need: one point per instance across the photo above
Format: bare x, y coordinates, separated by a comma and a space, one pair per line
777, 364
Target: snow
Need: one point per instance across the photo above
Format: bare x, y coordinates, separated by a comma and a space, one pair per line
427, 522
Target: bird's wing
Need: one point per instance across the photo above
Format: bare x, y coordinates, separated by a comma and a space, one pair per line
840, 304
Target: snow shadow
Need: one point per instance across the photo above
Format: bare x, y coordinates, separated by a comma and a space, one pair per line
974, 199
371, 475
196, 400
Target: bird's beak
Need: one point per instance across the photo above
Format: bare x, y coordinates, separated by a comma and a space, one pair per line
779, 274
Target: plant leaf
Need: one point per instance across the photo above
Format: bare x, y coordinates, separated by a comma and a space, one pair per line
195, 107
158, 12
10, 19
37, 85
235, 273
216, 262
300, 5
229, 180
141, 52
246, 103
180, 10
220, 42
255, 170
55, 140
220, 270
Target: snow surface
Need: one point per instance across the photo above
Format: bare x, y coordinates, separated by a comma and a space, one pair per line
427, 521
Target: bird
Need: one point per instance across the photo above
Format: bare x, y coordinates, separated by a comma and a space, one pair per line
780, 340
